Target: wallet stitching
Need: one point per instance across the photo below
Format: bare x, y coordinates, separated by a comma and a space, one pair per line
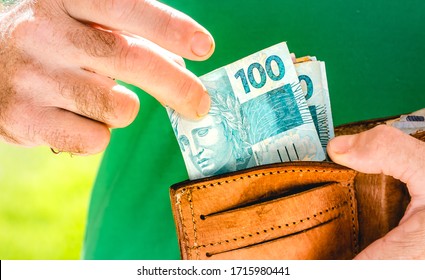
260, 174
210, 254
195, 231
185, 235
259, 232
350, 188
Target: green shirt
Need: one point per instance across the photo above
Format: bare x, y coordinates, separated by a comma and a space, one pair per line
373, 52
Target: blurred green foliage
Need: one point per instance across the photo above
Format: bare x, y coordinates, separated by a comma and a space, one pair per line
43, 202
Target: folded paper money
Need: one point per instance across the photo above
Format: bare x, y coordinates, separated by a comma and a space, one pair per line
312, 76
259, 115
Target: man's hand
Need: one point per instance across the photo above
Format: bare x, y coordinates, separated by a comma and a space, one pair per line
390, 151
59, 59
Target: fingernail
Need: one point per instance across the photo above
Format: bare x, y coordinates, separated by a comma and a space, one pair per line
201, 43
342, 144
204, 105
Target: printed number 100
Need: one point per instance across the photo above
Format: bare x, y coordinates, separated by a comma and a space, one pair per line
257, 67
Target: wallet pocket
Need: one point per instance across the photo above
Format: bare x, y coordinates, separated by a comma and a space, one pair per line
281, 211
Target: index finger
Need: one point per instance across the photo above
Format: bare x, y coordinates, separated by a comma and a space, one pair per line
152, 20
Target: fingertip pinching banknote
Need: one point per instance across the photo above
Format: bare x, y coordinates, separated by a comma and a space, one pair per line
259, 115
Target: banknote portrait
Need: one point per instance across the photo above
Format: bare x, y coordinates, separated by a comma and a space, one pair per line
217, 143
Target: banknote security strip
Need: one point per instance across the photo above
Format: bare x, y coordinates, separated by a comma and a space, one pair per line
265, 108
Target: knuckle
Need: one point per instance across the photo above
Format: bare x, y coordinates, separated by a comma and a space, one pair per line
165, 24
119, 10
129, 57
99, 101
383, 134
384, 129
170, 26
187, 92
94, 101
94, 42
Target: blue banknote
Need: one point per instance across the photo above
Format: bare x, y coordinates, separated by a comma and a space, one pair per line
411, 123
258, 116
312, 76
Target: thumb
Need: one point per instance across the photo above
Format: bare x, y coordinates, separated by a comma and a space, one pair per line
383, 149
387, 150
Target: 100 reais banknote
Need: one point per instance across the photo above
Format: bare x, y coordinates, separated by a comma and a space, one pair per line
313, 79
259, 115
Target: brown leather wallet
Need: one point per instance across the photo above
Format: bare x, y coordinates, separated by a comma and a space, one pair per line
295, 210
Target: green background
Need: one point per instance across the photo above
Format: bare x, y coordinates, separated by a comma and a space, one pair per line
43, 202
373, 49
374, 56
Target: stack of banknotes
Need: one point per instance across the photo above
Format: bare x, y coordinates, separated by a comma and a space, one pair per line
265, 108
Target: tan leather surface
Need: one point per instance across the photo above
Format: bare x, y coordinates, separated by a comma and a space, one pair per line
382, 201
268, 212
298, 210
